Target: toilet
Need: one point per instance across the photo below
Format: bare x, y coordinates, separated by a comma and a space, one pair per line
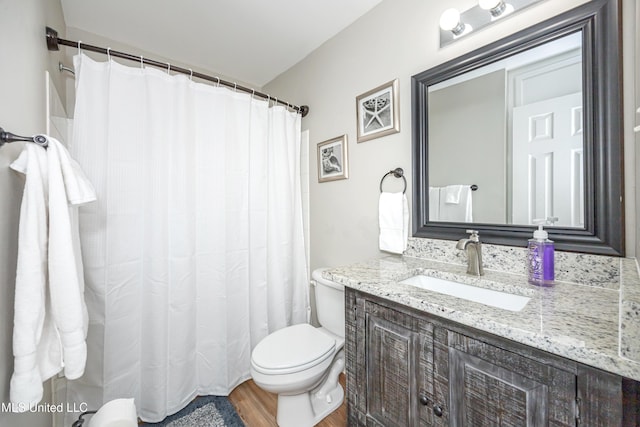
301, 363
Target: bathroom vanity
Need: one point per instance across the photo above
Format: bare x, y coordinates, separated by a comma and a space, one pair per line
570, 356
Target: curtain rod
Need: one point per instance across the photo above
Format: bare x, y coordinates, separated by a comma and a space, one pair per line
53, 43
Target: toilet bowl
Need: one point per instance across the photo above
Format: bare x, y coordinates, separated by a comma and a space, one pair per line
301, 363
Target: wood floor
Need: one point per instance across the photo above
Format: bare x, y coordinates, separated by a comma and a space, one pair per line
257, 408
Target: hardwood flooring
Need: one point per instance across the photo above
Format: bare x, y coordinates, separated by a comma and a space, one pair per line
257, 408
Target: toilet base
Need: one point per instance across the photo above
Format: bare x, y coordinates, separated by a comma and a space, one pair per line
308, 409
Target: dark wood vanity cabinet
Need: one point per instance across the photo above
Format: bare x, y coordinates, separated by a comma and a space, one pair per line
405, 368
397, 373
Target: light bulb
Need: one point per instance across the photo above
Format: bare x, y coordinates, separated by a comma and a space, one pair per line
495, 7
489, 4
450, 21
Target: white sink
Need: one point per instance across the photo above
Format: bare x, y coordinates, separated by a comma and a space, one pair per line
489, 297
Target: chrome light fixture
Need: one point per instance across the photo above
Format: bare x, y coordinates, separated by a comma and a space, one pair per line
454, 25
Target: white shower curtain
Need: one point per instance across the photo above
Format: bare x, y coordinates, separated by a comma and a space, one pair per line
194, 250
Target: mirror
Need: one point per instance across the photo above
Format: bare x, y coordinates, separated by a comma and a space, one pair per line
532, 123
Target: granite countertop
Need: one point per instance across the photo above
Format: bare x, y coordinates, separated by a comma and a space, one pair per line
595, 324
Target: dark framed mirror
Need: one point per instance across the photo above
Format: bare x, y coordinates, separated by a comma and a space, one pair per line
533, 123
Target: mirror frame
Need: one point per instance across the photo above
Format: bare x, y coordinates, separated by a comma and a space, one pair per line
599, 21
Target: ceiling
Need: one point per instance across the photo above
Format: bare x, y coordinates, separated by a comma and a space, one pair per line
252, 41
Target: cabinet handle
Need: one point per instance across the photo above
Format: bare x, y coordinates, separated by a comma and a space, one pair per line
424, 400
437, 410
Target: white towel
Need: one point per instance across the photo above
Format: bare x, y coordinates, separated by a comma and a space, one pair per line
458, 212
393, 212
434, 203
50, 320
452, 193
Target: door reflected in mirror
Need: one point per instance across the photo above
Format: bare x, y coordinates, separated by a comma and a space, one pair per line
514, 128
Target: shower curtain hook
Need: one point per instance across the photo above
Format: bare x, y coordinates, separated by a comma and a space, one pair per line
235, 86
142, 62
268, 100
253, 92
190, 74
169, 68
79, 48
109, 54
275, 103
218, 82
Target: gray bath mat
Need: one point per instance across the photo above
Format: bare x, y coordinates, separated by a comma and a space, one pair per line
205, 411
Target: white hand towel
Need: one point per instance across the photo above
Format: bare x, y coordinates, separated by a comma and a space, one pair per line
452, 193
50, 318
434, 203
393, 212
458, 212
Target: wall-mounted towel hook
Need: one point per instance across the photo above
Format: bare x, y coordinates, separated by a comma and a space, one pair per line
62, 68
398, 173
6, 137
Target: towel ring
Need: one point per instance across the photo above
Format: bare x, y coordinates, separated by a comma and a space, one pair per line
398, 173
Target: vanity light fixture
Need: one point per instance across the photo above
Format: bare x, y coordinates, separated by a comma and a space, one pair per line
454, 25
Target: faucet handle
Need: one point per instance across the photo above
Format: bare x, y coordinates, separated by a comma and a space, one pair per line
475, 235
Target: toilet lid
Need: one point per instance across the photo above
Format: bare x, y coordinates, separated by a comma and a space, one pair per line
292, 349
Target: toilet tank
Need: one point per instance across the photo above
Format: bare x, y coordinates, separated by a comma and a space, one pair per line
329, 303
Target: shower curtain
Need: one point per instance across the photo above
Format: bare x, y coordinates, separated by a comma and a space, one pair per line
194, 250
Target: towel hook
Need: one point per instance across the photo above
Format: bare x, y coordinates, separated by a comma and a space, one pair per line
398, 173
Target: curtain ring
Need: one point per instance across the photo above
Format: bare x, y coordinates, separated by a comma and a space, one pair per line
109, 54
191, 74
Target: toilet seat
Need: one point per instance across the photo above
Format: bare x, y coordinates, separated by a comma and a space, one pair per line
292, 349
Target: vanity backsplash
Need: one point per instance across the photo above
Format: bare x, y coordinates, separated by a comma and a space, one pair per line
592, 270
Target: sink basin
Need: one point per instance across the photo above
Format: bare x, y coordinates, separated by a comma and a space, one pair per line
489, 297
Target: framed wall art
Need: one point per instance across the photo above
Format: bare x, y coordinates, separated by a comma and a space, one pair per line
377, 112
333, 163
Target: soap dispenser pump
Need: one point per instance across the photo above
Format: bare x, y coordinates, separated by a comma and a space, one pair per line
540, 257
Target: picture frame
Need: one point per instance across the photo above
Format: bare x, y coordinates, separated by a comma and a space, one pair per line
378, 112
333, 161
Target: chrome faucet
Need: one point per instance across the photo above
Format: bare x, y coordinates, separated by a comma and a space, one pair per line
473, 248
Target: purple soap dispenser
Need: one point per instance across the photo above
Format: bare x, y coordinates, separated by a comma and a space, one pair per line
540, 257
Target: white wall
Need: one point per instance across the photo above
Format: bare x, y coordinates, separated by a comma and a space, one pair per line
398, 38
22, 111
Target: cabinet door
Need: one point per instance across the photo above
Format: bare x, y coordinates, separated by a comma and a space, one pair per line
399, 368
490, 386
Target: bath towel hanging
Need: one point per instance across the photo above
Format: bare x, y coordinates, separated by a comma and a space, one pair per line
50, 320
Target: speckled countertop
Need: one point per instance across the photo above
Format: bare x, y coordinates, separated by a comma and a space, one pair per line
594, 321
